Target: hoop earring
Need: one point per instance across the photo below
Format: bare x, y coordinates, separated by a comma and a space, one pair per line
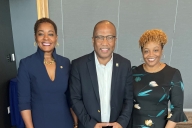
163, 57
141, 59
57, 44
35, 44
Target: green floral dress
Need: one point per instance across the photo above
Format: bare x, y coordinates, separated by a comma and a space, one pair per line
152, 92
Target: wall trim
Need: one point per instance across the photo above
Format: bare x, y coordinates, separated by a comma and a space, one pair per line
187, 109
42, 8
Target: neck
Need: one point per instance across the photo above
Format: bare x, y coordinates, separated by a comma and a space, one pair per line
153, 69
103, 61
48, 56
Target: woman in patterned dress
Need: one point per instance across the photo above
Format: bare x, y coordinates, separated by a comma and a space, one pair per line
155, 84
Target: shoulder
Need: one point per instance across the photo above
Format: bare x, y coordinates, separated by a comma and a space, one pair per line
64, 59
81, 60
121, 58
28, 59
137, 69
174, 72
171, 70
28, 62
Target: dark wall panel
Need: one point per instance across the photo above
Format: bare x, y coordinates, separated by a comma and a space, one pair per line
7, 68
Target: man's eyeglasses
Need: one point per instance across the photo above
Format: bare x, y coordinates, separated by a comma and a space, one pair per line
109, 38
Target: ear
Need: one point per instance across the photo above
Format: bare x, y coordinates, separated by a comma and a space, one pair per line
57, 38
115, 40
35, 38
93, 41
162, 52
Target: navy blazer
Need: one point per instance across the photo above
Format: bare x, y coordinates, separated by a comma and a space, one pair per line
85, 93
46, 99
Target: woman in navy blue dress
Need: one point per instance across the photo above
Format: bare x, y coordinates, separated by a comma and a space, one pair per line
43, 82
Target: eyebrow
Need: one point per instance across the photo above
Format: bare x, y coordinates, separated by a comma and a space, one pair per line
106, 35
154, 47
43, 31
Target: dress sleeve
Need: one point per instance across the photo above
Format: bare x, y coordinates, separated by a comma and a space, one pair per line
68, 91
24, 90
176, 99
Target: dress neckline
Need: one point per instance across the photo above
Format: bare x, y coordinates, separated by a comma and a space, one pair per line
153, 72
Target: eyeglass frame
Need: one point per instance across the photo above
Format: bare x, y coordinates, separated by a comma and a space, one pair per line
103, 37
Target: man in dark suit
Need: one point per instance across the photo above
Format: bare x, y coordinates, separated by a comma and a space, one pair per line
101, 83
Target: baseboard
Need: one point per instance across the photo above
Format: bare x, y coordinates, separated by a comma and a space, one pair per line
189, 116
187, 110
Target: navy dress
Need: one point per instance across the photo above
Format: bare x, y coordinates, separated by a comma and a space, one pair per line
152, 92
46, 99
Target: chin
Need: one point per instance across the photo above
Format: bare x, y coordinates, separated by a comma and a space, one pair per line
152, 64
47, 50
106, 57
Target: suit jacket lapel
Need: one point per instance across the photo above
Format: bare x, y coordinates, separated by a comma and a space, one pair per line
115, 72
93, 74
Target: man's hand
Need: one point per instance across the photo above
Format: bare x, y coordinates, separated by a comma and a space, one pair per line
100, 125
116, 125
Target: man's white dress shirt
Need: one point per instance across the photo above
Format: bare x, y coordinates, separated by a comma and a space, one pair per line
104, 75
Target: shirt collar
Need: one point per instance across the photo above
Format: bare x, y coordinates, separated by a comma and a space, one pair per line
97, 61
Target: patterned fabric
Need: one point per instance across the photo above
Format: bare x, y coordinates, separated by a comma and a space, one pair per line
152, 92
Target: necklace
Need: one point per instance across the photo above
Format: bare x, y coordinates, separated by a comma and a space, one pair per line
156, 70
49, 62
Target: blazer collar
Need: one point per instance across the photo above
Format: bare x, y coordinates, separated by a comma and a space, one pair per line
93, 74
40, 53
115, 73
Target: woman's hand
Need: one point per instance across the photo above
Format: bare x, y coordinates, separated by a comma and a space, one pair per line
170, 124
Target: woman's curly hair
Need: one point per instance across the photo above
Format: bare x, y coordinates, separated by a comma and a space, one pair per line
155, 35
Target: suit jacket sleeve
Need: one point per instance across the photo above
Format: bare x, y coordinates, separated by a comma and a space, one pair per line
128, 99
76, 98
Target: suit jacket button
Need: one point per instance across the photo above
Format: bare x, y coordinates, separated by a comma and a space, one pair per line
99, 111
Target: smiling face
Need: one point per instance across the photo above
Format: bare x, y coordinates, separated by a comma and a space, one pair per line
152, 52
46, 37
104, 48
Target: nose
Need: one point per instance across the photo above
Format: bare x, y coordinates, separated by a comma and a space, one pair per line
105, 42
151, 53
45, 37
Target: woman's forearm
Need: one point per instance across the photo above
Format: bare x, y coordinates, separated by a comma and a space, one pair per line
170, 124
27, 118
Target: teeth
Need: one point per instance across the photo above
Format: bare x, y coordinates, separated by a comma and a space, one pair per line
105, 49
151, 59
47, 44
